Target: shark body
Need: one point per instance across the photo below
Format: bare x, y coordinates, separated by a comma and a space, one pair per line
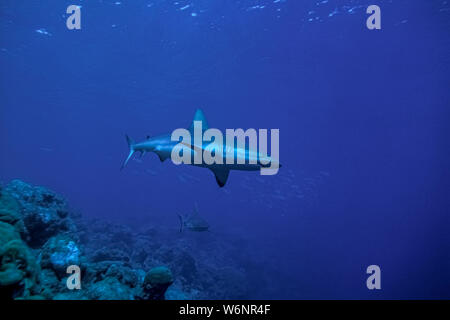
163, 145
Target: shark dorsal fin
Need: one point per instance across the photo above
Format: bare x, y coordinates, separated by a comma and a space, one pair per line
199, 116
221, 176
196, 208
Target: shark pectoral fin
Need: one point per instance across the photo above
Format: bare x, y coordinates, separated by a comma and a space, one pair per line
221, 176
161, 156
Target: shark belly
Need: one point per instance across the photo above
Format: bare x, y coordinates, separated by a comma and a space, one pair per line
235, 166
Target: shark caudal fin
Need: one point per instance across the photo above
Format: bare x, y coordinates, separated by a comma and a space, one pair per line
131, 147
199, 116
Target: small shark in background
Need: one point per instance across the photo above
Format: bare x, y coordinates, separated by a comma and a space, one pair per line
193, 222
163, 145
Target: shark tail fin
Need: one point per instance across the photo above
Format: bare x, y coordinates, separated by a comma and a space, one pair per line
181, 222
131, 147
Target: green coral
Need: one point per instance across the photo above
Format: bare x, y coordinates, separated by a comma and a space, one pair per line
7, 233
72, 295
158, 275
17, 264
10, 211
110, 289
35, 297
156, 282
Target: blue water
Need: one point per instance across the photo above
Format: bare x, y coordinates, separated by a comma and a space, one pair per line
363, 118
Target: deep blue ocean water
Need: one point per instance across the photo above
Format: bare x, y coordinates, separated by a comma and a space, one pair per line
363, 118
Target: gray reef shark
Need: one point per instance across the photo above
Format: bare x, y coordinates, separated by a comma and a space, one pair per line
193, 221
163, 146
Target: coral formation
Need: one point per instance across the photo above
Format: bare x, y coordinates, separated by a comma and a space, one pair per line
40, 237
18, 268
9, 209
44, 213
156, 282
58, 253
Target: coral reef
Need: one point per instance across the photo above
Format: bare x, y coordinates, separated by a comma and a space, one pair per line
43, 213
40, 237
156, 282
18, 268
59, 252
